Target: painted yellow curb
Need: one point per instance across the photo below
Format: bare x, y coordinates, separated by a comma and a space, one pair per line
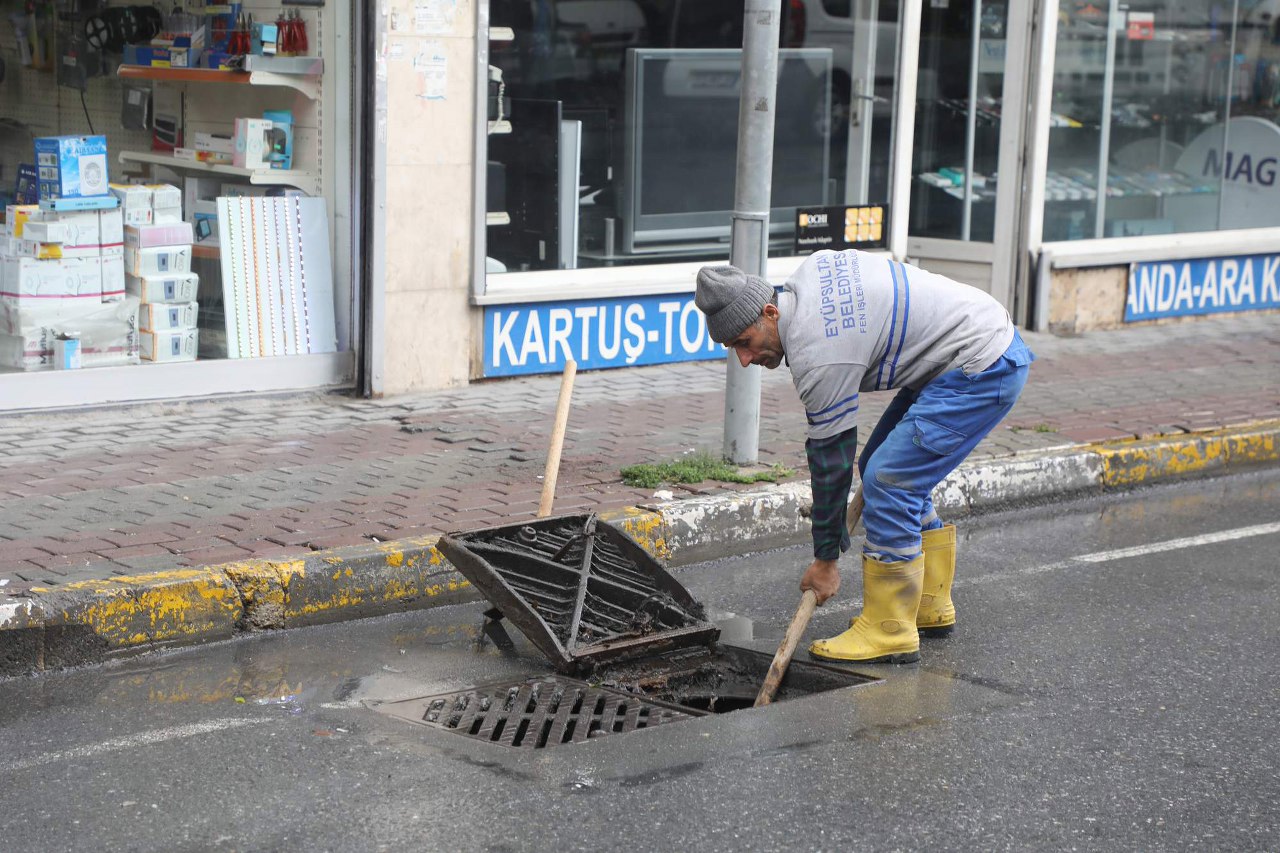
182, 605
647, 527
1138, 461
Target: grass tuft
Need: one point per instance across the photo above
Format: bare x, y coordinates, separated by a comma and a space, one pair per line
695, 469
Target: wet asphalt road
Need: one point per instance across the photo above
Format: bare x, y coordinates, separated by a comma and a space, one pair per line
1121, 701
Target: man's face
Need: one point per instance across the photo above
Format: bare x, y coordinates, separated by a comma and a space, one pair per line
760, 343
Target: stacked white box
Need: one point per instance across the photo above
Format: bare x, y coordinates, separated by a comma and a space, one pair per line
158, 267
55, 276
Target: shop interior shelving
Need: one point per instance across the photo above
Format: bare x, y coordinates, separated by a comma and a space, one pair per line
307, 84
307, 181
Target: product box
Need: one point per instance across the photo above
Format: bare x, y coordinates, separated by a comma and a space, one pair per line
158, 56
111, 230
158, 260
204, 223
215, 143
108, 335
280, 139
16, 215
177, 288
199, 189
83, 227
25, 312
166, 203
50, 251
41, 231
252, 145
158, 234
71, 166
113, 278
52, 278
135, 203
163, 317
169, 346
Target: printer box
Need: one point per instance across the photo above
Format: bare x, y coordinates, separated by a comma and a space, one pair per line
169, 346
167, 317
177, 288
71, 166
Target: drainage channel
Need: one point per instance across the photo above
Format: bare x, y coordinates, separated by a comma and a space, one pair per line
632, 647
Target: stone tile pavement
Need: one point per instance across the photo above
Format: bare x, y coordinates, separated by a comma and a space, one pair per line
94, 493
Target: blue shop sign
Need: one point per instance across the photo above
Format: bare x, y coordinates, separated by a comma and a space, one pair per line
540, 337
1204, 286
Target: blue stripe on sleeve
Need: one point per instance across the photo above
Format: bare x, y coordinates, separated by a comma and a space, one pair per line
835, 405
906, 313
893, 321
852, 410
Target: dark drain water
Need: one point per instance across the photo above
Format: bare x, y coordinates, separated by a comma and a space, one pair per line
548, 711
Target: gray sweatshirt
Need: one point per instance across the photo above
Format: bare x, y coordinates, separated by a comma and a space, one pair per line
852, 321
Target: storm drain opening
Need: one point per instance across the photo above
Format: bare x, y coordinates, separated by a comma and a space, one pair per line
538, 713
633, 646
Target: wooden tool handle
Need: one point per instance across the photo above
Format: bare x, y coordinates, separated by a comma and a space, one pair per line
557, 440
795, 631
855, 510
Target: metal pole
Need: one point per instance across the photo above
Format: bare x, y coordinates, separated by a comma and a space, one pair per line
971, 120
749, 240
1104, 143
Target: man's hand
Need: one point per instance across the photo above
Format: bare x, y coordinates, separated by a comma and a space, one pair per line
823, 577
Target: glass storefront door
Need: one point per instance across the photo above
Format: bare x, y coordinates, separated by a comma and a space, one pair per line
969, 72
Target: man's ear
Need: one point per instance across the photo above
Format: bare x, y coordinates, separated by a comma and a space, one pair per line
769, 310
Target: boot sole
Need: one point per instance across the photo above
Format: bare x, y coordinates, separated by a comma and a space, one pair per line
896, 658
936, 630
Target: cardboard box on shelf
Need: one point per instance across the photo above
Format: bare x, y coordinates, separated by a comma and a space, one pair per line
204, 223
53, 278
45, 232
113, 278
83, 228
71, 166
135, 203
92, 202
166, 204
169, 346
111, 230
179, 288
252, 144
16, 215
167, 317
158, 234
158, 260
199, 189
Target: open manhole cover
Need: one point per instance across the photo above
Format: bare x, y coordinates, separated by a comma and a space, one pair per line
598, 606
537, 713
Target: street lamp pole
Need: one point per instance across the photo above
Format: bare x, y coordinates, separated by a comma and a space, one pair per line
749, 239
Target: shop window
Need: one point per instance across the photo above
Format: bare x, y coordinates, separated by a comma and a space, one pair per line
613, 126
959, 103
1180, 127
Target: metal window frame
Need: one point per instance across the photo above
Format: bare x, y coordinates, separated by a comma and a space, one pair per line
643, 279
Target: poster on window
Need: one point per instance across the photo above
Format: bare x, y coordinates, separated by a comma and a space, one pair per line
1203, 286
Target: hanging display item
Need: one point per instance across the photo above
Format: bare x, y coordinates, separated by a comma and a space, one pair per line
277, 278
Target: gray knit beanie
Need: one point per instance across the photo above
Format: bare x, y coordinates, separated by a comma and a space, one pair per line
731, 299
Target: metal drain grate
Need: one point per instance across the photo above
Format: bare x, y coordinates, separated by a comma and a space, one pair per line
538, 713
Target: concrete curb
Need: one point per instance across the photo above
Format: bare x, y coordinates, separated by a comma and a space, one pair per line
89, 621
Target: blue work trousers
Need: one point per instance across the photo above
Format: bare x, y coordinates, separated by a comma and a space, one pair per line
921, 438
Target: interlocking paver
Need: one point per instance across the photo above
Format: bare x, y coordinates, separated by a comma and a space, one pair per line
162, 485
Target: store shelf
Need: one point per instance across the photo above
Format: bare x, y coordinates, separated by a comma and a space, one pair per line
205, 251
307, 84
308, 182
499, 218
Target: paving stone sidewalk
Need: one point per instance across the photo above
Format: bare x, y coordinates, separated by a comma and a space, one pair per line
91, 494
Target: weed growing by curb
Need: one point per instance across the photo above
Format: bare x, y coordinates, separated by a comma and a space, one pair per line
695, 469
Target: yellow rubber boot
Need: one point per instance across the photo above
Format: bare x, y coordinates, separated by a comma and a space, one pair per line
885, 630
937, 614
